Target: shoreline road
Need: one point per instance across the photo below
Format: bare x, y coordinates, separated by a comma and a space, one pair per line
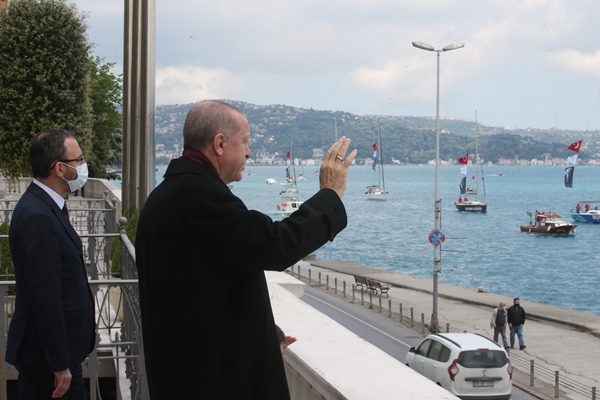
557, 339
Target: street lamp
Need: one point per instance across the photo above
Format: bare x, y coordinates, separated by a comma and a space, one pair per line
438, 209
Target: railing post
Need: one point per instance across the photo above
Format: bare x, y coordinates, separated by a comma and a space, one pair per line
319, 278
389, 308
422, 322
309, 277
344, 288
401, 318
362, 296
531, 372
412, 318
292, 270
335, 285
380, 308
326, 282
447, 327
593, 392
299, 274
353, 293
556, 380
370, 300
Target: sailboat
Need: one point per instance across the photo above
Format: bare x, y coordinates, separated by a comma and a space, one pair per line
377, 191
464, 204
291, 191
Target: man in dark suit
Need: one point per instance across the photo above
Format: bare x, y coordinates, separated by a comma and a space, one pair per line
52, 329
207, 322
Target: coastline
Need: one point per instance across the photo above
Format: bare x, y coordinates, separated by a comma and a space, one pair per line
583, 322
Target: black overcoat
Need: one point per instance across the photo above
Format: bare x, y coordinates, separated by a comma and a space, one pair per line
208, 327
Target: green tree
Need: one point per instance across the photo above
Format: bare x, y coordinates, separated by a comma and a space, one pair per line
7, 272
44, 54
106, 97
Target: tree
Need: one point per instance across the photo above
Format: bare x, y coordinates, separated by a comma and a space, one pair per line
44, 75
106, 97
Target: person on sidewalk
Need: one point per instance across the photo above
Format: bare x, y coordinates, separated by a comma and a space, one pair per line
499, 322
516, 320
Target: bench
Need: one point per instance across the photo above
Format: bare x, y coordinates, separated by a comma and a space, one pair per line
361, 282
371, 285
376, 286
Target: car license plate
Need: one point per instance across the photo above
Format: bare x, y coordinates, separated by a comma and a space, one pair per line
483, 383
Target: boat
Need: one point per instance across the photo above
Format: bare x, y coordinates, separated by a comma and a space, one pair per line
547, 223
591, 216
377, 191
464, 204
271, 181
288, 207
470, 190
500, 173
291, 191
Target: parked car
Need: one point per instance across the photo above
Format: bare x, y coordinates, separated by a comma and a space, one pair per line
469, 365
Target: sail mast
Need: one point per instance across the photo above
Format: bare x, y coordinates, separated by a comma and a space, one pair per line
476, 158
381, 177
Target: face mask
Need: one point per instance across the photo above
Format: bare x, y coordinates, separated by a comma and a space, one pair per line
82, 175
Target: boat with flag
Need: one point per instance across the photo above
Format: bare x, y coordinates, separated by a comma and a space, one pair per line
291, 191
547, 223
463, 203
585, 213
377, 191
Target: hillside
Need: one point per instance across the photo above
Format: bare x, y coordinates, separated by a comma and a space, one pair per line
404, 138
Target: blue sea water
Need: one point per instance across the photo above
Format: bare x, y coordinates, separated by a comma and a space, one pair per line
393, 235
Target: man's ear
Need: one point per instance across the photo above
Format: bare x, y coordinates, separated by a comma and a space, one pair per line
58, 169
219, 143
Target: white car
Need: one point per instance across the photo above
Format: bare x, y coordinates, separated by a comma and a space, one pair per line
469, 365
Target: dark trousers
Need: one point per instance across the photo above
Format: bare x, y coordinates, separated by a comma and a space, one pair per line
38, 383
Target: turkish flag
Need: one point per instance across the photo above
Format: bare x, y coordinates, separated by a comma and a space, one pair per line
375, 146
288, 154
464, 160
575, 146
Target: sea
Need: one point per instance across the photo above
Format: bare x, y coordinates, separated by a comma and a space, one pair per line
481, 250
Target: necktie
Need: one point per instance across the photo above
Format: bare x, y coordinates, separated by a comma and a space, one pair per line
65, 211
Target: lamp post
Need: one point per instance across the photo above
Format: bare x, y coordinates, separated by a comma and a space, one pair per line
437, 258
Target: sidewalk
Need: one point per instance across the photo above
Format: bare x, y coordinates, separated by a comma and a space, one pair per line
557, 339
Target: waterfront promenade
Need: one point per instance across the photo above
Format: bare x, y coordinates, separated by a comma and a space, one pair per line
557, 339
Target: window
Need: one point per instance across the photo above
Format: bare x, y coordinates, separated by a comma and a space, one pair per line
434, 353
482, 359
424, 348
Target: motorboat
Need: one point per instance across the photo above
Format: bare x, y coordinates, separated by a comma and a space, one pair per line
288, 207
375, 192
271, 181
590, 216
289, 191
547, 223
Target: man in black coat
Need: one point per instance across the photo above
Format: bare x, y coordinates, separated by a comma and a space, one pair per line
516, 320
52, 329
208, 328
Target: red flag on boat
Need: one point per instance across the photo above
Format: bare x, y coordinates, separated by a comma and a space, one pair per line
375, 146
288, 154
464, 160
473, 177
575, 146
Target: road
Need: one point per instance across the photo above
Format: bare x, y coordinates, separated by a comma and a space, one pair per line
374, 328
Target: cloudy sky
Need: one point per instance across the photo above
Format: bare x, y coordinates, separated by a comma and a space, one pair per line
526, 63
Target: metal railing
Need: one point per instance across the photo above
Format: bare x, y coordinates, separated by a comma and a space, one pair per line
420, 321
119, 350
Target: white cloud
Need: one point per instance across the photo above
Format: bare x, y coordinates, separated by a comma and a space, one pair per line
576, 62
175, 85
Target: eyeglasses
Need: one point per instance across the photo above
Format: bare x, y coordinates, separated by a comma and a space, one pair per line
79, 160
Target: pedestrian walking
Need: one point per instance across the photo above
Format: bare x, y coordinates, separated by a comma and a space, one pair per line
499, 322
516, 320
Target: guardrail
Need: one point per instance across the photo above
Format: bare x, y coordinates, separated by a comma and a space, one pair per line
414, 318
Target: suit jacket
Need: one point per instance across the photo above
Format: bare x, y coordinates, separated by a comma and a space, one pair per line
208, 327
53, 322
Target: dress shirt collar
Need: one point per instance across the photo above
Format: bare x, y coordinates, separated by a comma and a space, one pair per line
60, 202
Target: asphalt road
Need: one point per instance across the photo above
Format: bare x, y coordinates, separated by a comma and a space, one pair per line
374, 328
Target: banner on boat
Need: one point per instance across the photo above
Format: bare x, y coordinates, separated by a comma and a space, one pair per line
569, 176
463, 185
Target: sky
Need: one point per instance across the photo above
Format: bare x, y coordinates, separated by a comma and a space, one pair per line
524, 64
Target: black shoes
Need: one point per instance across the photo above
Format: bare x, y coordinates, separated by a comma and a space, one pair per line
522, 347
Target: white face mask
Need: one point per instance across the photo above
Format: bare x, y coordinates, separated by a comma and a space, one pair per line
82, 175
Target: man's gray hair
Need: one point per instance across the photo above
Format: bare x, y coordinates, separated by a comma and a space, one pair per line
205, 120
